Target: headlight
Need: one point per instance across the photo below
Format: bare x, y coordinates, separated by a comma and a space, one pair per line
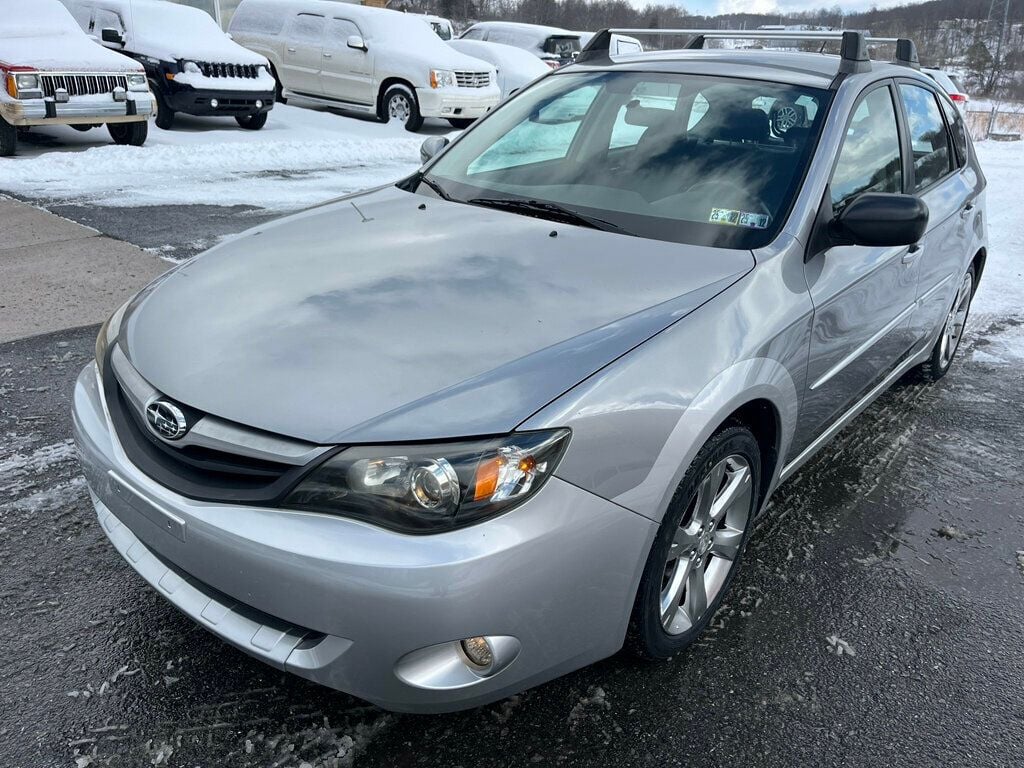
431, 488
191, 67
108, 335
136, 81
28, 82
442, 78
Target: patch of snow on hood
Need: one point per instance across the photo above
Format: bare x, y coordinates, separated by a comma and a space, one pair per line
171, 32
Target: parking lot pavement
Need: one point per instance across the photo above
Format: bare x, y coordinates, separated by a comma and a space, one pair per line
877, 621
57, 274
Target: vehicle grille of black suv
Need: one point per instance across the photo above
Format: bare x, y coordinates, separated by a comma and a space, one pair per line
194, 471
248, 71
82, 85
472, 79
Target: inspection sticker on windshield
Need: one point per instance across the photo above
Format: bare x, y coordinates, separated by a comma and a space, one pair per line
738, 218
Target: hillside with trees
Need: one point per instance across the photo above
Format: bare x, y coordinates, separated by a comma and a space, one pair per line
965, 36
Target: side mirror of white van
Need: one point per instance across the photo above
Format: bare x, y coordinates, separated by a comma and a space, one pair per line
355, 41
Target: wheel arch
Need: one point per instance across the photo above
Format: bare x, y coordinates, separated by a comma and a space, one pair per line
385, 85
761, 416
978, 262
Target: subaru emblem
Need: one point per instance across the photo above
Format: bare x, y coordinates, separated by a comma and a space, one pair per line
166, 420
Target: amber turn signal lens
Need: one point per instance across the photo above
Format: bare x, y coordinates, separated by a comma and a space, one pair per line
487, 478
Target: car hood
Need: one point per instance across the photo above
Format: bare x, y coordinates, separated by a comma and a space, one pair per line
390, 316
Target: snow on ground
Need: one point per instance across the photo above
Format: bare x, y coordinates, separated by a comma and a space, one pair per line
302, 157
1002, 287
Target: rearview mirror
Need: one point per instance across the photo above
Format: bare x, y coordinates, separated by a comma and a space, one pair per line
880, 220
111, 35
355, 41
432, 146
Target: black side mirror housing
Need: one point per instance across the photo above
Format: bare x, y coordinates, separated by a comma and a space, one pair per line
880, 220
110, 35
432, 146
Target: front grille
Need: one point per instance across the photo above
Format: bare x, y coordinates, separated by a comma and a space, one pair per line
83, 85
216, 69
472, 79
195, 471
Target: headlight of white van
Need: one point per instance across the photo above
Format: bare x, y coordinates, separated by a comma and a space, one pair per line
442, 78
137, 82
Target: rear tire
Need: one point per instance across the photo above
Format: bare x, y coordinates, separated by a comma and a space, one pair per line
400, 104
699, 546
461, 122
164, 114
8, 139
252, 122
945, 348
131, 134
84, 128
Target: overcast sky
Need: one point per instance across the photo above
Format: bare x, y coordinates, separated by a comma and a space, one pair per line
711, 7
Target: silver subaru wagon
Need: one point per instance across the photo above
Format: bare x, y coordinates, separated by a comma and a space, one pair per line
444, 440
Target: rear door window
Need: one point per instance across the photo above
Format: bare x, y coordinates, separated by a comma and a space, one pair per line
933, 156
307, 28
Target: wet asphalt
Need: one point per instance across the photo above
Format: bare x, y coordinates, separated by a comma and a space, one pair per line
879, 618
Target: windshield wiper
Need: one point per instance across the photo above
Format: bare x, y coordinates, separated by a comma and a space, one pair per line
546, 210
435, 186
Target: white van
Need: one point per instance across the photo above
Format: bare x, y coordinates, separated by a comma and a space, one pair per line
367, 59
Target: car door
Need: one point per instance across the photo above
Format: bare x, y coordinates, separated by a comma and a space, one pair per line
346, 73
942, 179
303, 53
863, 297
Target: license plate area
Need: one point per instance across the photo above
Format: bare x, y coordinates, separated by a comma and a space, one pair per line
160, 517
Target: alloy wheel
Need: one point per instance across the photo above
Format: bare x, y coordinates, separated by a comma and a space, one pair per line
706, 544
399, 107
955, 321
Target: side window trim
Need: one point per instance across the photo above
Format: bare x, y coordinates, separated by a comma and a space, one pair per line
947, 107
901, 107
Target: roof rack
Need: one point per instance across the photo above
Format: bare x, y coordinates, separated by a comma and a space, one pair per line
853, 50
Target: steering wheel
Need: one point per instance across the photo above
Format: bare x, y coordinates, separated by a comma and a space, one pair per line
785, 115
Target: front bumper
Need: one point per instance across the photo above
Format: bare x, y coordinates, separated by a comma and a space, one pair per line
466, 103
197, 101
99, 108
344, 603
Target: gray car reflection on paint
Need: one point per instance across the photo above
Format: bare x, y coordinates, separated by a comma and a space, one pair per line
438, 442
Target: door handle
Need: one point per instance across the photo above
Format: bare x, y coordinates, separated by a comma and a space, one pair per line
290, 50
911, 254
968, 207
327, 55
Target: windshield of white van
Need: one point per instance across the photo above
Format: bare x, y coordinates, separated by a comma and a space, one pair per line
684, 158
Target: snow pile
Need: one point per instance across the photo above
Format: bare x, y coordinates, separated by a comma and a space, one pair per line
1002, 286
42, 34
301, 158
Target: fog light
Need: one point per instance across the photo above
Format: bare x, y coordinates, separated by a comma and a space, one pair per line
478, 651
259, 104
214, 103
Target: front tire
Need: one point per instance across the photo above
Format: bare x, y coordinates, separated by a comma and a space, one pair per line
945, 348
8, 139
699, 546
131, 134
400, 104
164, 114
252, 122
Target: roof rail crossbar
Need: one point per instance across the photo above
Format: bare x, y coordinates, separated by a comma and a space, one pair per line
906, 53
853, 50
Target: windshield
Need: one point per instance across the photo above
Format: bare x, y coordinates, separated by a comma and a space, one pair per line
684, 158
443, 30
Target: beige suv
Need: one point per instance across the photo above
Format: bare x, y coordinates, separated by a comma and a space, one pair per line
364, 59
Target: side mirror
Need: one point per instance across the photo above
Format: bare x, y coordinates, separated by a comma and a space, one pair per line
355, 41
111, 35
880, 220
432, 146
